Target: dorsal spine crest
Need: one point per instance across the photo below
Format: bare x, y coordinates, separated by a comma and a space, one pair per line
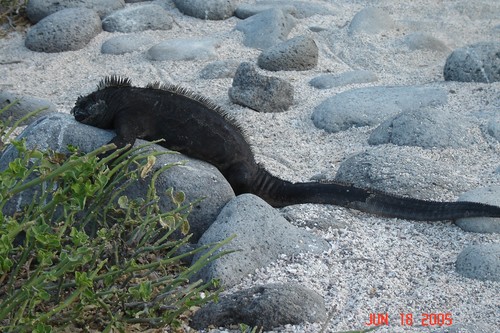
186, 92
114, 81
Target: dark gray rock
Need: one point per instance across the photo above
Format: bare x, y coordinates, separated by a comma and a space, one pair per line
25, 104
296, 54
125, 44
38, 9
494, 127
371, 20
299, 9
328, 81
481, 262
207, 9
262, 235
427, 128
372, 105
183, 49
196, 178
422, 41
66, 30
259, 92
402, 173
266, 306
138, 18
489, 195
220, 69
266, 29
474, 63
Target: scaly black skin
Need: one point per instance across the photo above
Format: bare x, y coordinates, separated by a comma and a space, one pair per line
194, 126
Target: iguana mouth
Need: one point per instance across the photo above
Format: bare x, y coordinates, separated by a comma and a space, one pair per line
78, 116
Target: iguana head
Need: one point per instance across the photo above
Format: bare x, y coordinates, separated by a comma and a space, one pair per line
93, 110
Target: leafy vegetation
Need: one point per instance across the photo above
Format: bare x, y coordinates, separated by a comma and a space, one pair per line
85, 256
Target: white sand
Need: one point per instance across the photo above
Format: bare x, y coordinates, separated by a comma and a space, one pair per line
376, 265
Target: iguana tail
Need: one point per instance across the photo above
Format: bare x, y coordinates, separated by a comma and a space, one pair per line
280, 193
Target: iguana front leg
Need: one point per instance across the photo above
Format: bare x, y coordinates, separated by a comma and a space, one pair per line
125, 135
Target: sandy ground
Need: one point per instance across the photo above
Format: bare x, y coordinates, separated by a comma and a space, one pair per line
376, 265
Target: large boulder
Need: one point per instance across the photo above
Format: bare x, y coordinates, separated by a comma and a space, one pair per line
262, 235
266, 306
207, 9
66, 30
474, 63
38, 9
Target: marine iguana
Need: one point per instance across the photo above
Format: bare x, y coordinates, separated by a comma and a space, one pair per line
195, 126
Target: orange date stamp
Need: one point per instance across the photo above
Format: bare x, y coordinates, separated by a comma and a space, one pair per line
408, 319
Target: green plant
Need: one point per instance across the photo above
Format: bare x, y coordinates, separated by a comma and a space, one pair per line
84, 254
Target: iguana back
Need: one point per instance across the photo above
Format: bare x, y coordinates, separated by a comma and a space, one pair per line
198, 128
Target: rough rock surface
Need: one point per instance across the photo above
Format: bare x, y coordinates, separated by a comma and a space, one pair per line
138, 18
266, 29
327, 81
400, 172
266, 306
38, 9
474, 63
259, 92
197, 179
207, 9
296, 54
220, 69
427, 128
299, 9
66, 30
372, 105
183, 49
262, 235
371, 20
480, 262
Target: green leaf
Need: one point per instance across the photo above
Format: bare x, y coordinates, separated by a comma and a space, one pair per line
179, 197
83, 280
123, 202
185, 227
5, 264
45, 236
42, 328
167, 222
78, 238
45, 257
45, 296
142, 291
